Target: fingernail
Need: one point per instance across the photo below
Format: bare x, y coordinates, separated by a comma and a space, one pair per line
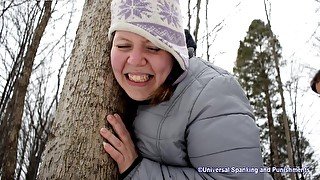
103, 130
109, 117
104, 144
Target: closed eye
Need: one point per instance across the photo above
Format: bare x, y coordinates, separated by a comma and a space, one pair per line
153, 49
123, 46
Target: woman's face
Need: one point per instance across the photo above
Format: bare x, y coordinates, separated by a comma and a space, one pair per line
138, 65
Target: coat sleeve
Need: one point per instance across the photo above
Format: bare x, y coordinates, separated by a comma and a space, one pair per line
221, 136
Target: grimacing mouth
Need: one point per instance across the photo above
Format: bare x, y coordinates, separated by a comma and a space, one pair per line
138, 78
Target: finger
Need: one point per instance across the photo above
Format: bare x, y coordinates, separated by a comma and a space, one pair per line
119, 127
115, 155
112, 139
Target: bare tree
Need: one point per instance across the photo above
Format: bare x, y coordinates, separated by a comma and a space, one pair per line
42, 94
15, 107
74, 149
209, 35
189, 15
197, 27
316, 34
40, 120
293, 93
207, 31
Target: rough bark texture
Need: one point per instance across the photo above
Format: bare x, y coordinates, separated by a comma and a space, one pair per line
14, 112
74, 150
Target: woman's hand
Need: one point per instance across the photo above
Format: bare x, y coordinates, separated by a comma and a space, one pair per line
121, 150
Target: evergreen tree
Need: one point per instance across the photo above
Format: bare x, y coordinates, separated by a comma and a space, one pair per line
257, 73
254, 68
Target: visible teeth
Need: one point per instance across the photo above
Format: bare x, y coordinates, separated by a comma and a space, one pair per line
138, 78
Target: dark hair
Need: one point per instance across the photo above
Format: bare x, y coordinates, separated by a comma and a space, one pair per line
165, 91
314, 81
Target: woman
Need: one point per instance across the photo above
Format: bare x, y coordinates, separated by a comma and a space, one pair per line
193, 119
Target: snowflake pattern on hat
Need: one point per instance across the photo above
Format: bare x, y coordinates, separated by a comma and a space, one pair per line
169, 13
134, 7
163, 32
137, 8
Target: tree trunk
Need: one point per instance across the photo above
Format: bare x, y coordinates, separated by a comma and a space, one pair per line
196, 30
283, 105
14, 112
74, 149
189, 15
274, 154
207, 29
284, 118
35, 159
295, 124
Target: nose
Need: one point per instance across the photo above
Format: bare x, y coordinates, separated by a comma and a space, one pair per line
136, 57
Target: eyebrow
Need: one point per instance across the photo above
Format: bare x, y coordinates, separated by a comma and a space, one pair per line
123, 38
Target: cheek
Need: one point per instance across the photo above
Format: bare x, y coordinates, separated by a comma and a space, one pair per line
117, 61
164, 65
167, 66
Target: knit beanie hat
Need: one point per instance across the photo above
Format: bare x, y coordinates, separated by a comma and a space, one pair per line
159, 21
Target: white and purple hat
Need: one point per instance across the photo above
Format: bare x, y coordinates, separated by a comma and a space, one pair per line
159, 21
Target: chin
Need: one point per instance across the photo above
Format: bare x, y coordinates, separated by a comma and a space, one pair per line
138, 98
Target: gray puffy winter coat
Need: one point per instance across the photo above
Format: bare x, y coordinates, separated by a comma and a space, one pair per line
206, 125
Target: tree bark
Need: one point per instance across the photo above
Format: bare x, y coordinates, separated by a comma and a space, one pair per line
90, 92
283, 105
14, 112
196, 30
189, 15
